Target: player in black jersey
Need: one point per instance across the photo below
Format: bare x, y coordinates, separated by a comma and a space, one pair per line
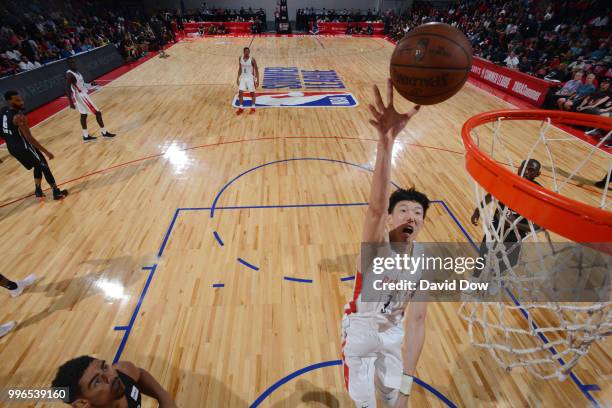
22, 145
93, 383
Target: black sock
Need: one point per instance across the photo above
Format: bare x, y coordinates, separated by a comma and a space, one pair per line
6, 283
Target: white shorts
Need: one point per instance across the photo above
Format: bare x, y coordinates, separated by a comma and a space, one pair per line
247, 84
366, 353
84, 104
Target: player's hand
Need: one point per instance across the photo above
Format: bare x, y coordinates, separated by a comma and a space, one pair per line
402, 401
72, 106
256, 84
387, 120
475, 217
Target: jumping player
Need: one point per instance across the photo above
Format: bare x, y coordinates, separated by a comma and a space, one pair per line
248, 78
22, 145
76, 91
94, 383
373, 332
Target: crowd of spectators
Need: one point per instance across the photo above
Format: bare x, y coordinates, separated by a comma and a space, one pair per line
305, 16
557, 41
38, 32
257, 18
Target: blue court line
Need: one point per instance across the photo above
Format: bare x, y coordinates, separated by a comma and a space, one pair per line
128, 328
331, 363
245, 263
347, 278
218, 285
288, 278
229, 183
218, 238
165, 241
118, 328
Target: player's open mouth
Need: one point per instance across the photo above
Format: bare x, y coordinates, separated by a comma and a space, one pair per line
408, 230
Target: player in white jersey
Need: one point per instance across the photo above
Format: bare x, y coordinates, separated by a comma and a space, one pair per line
373, 332
248, 79
76, 91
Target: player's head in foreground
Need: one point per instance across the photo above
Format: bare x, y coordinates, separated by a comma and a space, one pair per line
531, 169
246, 52
14, 100
91, 382
407, 209
71, 64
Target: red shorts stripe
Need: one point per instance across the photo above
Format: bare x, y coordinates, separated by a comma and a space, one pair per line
90, 106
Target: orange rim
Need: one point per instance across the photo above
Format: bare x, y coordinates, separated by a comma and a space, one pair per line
572, 219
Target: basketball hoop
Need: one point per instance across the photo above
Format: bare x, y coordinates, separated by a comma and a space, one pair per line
515, 213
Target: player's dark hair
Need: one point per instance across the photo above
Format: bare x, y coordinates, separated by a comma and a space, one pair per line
9, 94
246, 48
69, 375
531, 163
410, 194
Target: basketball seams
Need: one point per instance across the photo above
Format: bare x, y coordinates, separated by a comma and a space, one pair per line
408, 36
466, 69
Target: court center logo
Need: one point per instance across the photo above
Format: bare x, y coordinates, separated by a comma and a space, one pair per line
303, 89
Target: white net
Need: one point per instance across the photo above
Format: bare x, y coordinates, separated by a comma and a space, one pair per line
551, 295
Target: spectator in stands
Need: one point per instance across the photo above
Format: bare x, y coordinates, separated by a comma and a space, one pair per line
570, 88
600, 53
222, 29
558, 74
201, 30
26, 64
370, 29
525, 66
593, 103
584, 90
512, 60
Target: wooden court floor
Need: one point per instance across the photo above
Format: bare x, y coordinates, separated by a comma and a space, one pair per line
128, 261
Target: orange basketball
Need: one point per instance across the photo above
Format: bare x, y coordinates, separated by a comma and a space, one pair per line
431, 63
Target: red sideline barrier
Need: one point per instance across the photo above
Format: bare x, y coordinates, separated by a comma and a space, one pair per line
515, 83
340, 28
230, 27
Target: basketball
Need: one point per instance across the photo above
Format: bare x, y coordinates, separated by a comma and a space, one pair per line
431, 63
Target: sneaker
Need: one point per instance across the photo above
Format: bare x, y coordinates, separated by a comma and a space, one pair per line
89, 138
7, 327
108, 135
22, 284
252, 111
239, 111
39, 193
59, 194
601, 183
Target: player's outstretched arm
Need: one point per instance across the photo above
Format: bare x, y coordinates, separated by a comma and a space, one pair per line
146, 383
389, 124
238, 75
413, 345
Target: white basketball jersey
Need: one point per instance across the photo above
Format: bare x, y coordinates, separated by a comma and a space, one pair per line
246, 67
389, 310
79, 86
